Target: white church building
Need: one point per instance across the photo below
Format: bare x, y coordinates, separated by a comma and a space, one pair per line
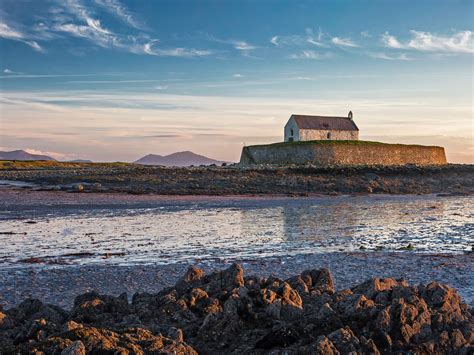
311, 128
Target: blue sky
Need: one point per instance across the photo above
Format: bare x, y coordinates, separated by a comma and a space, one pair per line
114, 79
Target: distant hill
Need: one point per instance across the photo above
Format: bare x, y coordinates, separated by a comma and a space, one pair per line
177, 159
22, 155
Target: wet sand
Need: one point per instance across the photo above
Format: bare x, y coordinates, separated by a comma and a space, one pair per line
59, 284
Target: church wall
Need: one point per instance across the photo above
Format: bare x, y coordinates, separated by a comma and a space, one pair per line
312, 135
291, 125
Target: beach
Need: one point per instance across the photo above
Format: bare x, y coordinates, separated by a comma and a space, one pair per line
59, 244
119, 270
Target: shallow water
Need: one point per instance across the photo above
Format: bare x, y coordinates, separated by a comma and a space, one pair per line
174, 230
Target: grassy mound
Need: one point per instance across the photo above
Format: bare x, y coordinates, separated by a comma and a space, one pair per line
341, 142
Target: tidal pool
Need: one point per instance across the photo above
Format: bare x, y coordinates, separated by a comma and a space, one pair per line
128, 230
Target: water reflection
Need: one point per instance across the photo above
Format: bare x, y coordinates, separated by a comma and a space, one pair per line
161, 233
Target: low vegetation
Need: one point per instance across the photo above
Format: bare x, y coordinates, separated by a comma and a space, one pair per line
339, 142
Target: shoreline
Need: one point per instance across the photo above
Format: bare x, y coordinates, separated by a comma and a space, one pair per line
73, 197
237, 181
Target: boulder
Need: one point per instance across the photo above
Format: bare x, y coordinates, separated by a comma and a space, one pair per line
76, 348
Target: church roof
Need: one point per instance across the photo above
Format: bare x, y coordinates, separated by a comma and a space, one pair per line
325, 123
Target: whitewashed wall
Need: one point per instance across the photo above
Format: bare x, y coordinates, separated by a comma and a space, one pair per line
291, 125
315, 135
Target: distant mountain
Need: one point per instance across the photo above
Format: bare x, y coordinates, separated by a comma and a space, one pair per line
22, 155
177, 159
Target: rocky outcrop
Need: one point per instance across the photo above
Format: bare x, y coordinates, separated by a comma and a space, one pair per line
227, 312
292, 179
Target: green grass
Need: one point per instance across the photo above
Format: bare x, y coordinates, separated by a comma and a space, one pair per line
341, 142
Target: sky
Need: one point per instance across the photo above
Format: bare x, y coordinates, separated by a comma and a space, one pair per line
113, 80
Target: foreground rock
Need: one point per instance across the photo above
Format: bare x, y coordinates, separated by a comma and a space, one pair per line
225, 312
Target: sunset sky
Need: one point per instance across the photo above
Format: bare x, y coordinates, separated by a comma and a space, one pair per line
112, 80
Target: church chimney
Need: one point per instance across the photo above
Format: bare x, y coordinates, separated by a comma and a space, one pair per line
349, 115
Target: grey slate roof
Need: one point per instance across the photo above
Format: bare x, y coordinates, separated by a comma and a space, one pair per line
325, 123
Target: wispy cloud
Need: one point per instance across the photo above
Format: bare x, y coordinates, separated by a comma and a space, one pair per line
18, 75
150, 48
243, 46
307, 54
10, 72
114, 81
74, 18
122, 12
343, 42
381, 55
8, 32
161, 87
460, 42
316, 40
391, 41
237, 75
365, 34
274, 40
299, 40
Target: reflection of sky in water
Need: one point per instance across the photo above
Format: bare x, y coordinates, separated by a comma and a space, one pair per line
169, 233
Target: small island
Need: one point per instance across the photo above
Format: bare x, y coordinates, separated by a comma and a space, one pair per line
334, 141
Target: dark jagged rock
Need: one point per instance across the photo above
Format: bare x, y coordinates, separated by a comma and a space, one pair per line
225, 312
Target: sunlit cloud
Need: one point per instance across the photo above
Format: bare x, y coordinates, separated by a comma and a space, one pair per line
460, 42
54, 155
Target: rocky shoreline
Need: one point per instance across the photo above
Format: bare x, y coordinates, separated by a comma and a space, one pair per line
229, 312
234, 180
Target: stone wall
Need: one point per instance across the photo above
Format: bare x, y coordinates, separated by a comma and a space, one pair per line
342, 153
